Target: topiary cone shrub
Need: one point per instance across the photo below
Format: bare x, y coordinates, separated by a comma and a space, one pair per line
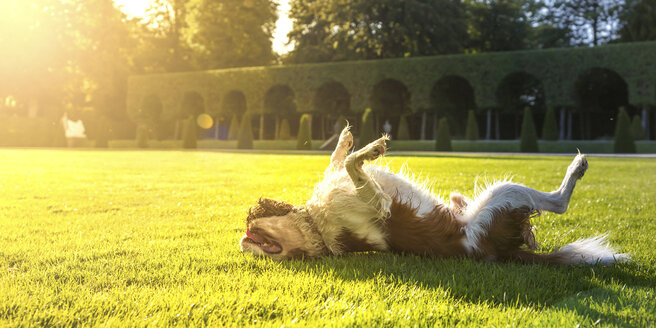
443, 138
404, 132
636, 128
550, 127
623, 138
367, 130
142, 135
284, 133
233, 130
304, 142
245, 138
471, 132
190, 133
528, 142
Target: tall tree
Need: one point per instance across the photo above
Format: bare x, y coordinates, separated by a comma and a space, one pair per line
585, 22
164, 46
334, 30
226, 33
638, 21
497, 25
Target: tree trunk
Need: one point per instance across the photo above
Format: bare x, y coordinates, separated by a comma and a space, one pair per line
216, 129
323, 127
423, 125
582, 125
488, 125
561, 131
435, 126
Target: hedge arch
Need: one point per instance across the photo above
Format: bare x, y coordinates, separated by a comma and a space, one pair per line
515, 92
234, 103
452, 96
330, 101
279, 102
192, 104
151, 108
390, 99
602, 91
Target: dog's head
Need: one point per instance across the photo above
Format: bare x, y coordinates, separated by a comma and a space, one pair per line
280, 231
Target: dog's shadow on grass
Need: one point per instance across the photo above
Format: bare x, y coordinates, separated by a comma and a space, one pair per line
475, 281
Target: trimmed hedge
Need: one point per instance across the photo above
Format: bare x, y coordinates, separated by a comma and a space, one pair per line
636, 128
624, 142
443, 138
245, 139
367, 130
471, 132
303, 140
284, 133
233, 130
550, 126
404, 132
143, 134
190, 133
528, 142
559, 75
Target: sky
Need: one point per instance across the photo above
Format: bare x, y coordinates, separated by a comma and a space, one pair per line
137, 8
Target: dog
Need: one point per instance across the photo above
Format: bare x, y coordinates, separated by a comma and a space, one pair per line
358, 208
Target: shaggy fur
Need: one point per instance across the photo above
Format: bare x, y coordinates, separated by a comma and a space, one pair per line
359, 208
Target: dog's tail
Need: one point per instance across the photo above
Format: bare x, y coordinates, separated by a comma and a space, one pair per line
595, 250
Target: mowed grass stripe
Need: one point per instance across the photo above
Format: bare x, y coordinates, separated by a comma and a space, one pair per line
150, 238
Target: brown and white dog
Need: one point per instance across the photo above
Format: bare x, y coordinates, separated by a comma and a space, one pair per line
358, 208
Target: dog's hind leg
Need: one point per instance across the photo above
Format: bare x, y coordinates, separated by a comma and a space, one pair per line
367, 188
344, 144
507, 196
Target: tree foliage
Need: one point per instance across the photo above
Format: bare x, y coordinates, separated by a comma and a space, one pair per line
245, 139
638, 20
336, 30
225, 33
497, 25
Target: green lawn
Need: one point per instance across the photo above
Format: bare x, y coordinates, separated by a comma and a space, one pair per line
150, 238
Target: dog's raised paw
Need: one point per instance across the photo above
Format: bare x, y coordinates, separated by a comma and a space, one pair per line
579, 166
375, 149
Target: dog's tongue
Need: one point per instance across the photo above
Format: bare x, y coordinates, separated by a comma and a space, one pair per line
255, 237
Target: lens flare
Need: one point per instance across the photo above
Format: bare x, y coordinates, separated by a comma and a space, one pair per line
205, 121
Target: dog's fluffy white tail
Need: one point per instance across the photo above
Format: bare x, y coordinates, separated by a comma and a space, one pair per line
595, 250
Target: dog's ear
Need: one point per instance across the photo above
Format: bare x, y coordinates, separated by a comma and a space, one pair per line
268, 207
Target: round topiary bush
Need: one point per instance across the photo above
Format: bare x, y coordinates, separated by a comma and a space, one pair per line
304, 142
471, 132
245, 139
550, 127
367, 130
624, 142
284, 133
233, 130
190, 133
443, 138
404, 132
636, 128
528, 142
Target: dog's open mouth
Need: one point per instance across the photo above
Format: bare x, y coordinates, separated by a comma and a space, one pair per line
265, 244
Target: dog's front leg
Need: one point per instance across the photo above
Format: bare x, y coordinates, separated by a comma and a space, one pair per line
343, 146
367, 188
